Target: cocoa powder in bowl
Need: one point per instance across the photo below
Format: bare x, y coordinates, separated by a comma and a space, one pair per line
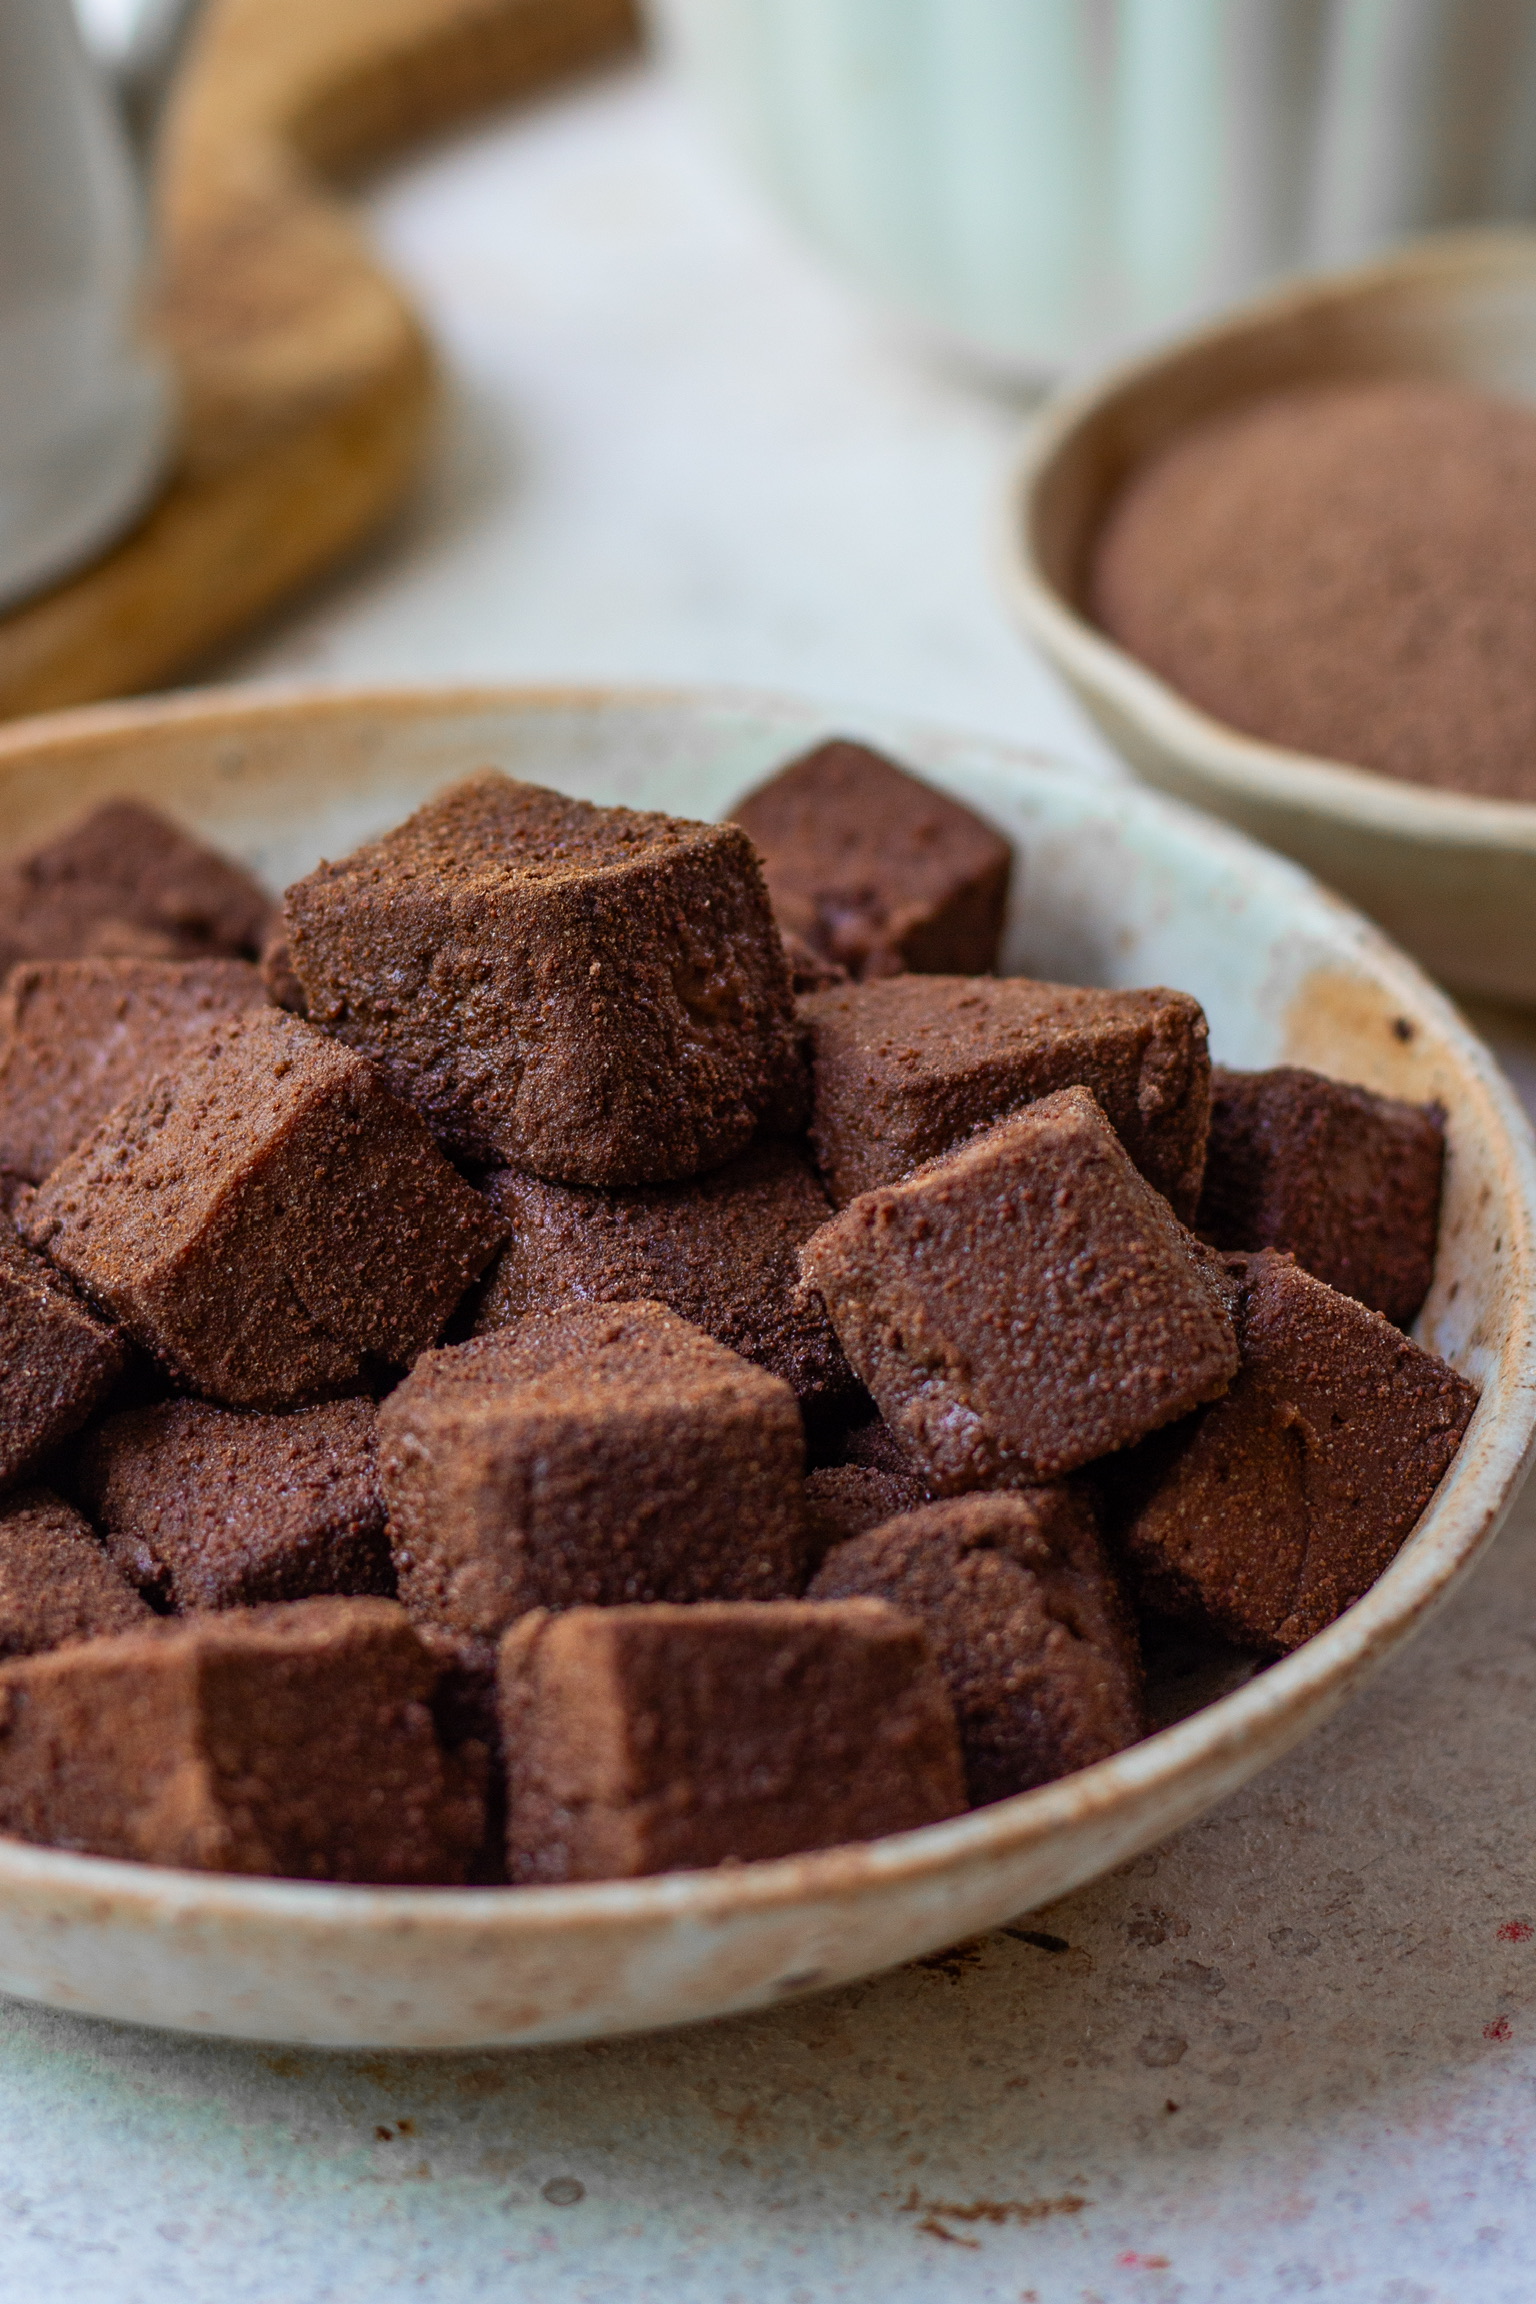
1347, 570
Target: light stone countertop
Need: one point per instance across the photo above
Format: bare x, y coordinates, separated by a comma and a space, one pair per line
1290, 2054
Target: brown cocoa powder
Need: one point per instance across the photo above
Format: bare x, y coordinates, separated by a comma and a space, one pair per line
1348, 570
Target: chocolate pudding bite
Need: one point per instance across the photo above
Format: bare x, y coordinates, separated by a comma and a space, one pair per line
600, 1454
1024, 1305
847, 1500
809, 970
631, 1634
77, 1037
1347, 1181
721, 1251
294, 1741
907, 1069
1027, 1626
282, 986
875, 1446
268, 1219
124, 882
874, 869
58, 1362
208, 1508
1265, 1515
653, 1739
593, 994
57, 1584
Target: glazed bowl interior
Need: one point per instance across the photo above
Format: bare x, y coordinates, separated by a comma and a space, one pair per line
1453, 877
1114, 886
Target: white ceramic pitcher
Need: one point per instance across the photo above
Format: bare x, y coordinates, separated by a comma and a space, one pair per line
85, 404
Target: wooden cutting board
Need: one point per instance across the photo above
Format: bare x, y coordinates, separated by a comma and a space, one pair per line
306, 380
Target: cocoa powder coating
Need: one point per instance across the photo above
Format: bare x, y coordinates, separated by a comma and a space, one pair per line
598, 995
599, 1454
1023, 1305
651, 1739
1027, 1624
124, 881
58, 1362
1268, 1513
1347, 1181
907, 1068
57, 1584
874, 870
293, 1740
720, 1250
268, 1220
78, 1037
207, 1508
847, 1500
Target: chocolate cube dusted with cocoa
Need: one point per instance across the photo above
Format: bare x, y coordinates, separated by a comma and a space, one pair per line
1346, 1180
283, 987
124, 881
268, 1219
1027, 1626
721, 1251
653, 1739
874, 1445
876, 870
600, 1454
593, 994
809, 970
56, 1582
1023, 1305
58, 1362
294, 1740
907, 1069
1268, 1513
79, 1036
469, 1731
847, 1500
209, 1508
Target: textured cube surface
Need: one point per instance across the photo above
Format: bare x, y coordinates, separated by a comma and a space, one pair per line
874, 1445
647, 1739
57, 1584
1347, 1181
269, 1220
210, 1508
124, 881
79, 1036
1026, 1622
721, 1251
596, 995
57, 1360
293, 1740
876, 870
907, 1069
1270, 1511
1023, 1305
603, 1454
846, 1500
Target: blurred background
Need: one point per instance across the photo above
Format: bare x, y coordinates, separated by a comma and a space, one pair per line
734, 334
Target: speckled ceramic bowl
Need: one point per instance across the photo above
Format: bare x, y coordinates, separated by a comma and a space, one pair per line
1451, 875
1116, 887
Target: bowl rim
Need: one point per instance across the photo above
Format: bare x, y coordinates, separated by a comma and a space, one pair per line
1496, 1451
1248, 766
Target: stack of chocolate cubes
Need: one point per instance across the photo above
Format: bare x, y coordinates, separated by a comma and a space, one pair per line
594, 1343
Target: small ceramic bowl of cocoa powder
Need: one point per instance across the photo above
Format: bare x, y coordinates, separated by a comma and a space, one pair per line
1289, 565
